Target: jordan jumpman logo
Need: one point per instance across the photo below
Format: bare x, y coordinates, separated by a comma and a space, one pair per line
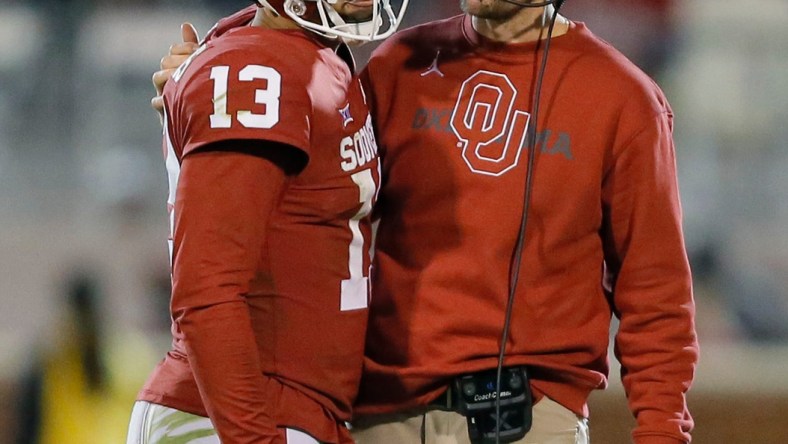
433, 69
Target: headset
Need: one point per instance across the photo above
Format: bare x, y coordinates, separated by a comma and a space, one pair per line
518, 252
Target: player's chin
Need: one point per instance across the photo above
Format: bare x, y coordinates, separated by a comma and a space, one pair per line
358, 10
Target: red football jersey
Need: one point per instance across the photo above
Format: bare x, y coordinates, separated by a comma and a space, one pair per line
307, 296
452, 111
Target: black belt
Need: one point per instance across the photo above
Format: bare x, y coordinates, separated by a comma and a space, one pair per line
445, 401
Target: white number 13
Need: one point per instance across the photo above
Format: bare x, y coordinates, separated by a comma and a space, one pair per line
269, 97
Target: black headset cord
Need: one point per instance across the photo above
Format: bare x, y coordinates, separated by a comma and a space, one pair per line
518, 252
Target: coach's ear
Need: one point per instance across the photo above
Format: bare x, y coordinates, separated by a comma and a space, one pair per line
178, 54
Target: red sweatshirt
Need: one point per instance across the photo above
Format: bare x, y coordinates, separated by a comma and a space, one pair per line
603, 236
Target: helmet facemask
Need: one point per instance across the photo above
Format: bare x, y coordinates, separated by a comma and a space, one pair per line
320, 17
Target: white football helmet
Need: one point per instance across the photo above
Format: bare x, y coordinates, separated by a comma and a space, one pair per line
320, 17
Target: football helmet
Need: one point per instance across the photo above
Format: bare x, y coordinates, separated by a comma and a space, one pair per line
320, 17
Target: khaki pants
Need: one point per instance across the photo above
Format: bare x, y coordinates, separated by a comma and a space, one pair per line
552, 424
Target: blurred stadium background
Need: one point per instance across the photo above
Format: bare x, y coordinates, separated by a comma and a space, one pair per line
83, 257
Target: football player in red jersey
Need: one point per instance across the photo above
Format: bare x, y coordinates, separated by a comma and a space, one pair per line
273, 170
549, 222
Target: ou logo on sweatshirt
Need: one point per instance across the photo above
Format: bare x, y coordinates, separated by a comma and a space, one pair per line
491, 132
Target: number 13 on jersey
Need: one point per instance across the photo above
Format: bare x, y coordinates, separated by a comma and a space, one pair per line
269, 97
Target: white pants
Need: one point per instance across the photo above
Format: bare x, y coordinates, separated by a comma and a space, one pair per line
156, 424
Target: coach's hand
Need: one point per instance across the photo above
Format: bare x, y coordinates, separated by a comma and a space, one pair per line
179, 52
